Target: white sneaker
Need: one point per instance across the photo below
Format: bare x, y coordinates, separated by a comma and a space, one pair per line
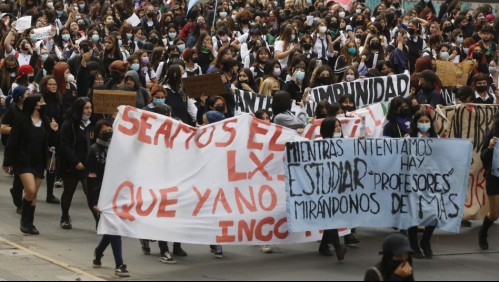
122, 271
266, 249
58, 183
167, 259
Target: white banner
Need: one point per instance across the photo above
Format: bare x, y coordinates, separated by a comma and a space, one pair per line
219, 184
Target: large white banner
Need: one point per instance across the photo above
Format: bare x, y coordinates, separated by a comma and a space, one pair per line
219, 184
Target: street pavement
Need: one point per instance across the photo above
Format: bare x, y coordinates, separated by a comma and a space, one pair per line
67, 255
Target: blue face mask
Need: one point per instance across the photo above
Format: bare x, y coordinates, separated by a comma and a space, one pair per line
33, 37
300, 75
66, 37
172, 35
95, 37
44, 57
129, 35
181, 47
466, 50
120, 42
424, 127
157, 102
82, 6
59, 13
135, 67
352, 51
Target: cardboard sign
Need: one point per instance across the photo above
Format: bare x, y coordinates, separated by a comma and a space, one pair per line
209, 84
454, 74
108, 101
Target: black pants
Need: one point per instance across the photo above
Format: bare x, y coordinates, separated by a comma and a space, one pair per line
70, 185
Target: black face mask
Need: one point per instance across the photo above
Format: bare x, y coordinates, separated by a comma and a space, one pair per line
12, 70
375, 45
106, 136
31, 79
348, 108
154, 40
220, 109
477, 55
42, 110
82, 26
405, 113
23, 47
321, 116
150, 15
243, 81
411, 31
307, 46
325, 80
245, 21
481, 89
334, 25
195, 60
448, 29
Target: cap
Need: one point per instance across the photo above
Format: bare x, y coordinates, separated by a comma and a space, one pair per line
148, 47
175, 7
491, 18
396, 244
24, 70
214, 116
18, 92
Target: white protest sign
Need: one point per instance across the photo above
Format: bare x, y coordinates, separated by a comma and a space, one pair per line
219, 184
23, 23
42, 33
377, 183
134, 20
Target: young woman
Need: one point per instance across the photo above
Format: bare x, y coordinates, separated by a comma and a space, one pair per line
206, 52
26, 154
112, 52
331, 128
74, 146
66, 86
269, 87
191, 59
492, 188
281, 108
398, 118
421, 127
396, 263
295, 85
176, 98
286, 45
262, 56
158, 97
245, 81
349, 57
96, 163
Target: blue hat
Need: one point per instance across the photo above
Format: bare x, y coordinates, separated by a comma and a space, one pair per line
18, 92
214, 116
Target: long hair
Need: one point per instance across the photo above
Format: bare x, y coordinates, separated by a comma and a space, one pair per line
5, 72
43, 88
75, 113
59, 70
30, 103
174, 77
266, 87
413, 131
286, 36
394, 106
349, 58
328, 127
495, 125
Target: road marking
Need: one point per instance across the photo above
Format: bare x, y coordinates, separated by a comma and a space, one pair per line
51, 260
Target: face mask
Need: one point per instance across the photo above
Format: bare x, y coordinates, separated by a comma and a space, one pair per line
337, 135
293, 37
466, 51
223, 15
44, 57
31, 78
405, 113
325, 80
427, 1
150, 15
181, 47
424, 127
460, 39
12, 70
70, 78
120, 42
85, 118
234, 18
352, 51
95, 38
172, 35
481, 89
66, 37
334, 25
405, 23
477, 55
129, 35
50, 5
322, 29
154, 40
106, 136
411, 31
358, 11
349, 77
145, 60
157, 102
245, 21
300, 75
276, 72
444, 55
33, 37
135, 67
375, 45
82, 6
220, 109
448, 29
342, 14
307, 46
59, 13
224, 38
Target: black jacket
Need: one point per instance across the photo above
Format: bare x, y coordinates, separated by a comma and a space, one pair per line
74, 146
17, 152
95, 164
487, 155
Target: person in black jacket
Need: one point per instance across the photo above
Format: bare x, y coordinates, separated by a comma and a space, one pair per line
48, 88
13, 114
96, 164
26, 154
428, 94
177, 99
398, 118
75, 142
492, 186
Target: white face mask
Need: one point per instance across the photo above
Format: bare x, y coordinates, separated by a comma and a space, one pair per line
70, 78
350, 77
342, 14
337, 135
322, 29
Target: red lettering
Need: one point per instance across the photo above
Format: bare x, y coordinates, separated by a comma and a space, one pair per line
147, 212
185, 129
166, 130
377, 122
125, 213
135, 123
240, 200
273, 198
201, 145
222, 199
277, 229
144, 126
192, 134
260, 166
247, 230
259, 230
202, 199
162, 212
310, 133
232, 131
254, 130
231, 168
225, 237
273, 146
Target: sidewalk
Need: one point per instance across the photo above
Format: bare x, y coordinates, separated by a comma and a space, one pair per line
20, 264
